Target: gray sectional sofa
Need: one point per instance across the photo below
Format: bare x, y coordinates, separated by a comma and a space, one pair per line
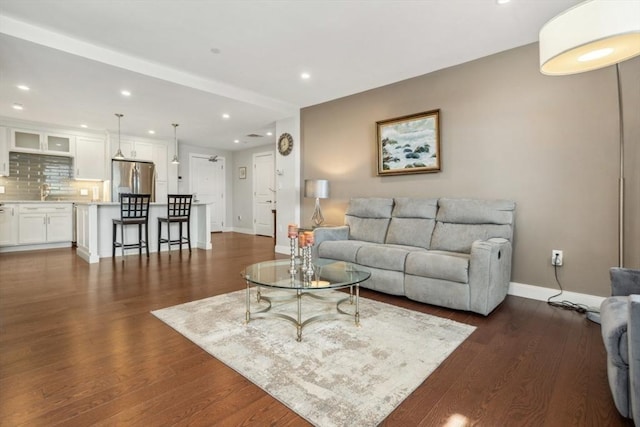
454, 253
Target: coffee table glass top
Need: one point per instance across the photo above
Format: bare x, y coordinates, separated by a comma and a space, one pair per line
327, 274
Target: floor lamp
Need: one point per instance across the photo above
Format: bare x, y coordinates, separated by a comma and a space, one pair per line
591, 35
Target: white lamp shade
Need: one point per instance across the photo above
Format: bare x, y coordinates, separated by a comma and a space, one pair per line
318, 188
590, 35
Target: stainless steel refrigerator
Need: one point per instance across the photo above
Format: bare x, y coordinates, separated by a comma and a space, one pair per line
129, 176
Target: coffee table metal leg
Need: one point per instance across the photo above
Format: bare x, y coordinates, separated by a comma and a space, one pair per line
247, 304
350, 294
299, 325
357, 304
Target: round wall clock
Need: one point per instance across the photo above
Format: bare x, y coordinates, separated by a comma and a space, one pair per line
285, 144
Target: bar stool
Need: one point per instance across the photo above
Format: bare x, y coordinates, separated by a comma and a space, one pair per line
134, 210
178, 211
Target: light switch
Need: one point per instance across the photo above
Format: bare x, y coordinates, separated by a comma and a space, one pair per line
84, 192
1, 189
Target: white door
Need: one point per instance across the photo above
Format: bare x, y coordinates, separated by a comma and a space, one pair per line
208, 184
263, 194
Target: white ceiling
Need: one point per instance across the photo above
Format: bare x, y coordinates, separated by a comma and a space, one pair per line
76, 55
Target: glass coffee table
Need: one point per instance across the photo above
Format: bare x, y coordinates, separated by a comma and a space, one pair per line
327, 275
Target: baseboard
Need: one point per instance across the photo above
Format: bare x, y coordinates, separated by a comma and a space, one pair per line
542, 294
242, 230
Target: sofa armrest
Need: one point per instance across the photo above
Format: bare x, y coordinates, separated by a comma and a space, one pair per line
489, 274
322, 234
633, 335
624, 281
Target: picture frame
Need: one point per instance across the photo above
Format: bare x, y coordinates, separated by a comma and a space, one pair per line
409, 144
242, 172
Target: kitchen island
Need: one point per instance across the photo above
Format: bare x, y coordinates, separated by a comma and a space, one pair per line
94, 229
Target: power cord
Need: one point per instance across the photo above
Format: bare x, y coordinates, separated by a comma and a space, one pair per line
564, 304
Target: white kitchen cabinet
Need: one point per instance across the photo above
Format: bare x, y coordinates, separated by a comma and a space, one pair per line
90, 159
160, 160
30, 141
161, 191
134, 150
4, 151
45, 223
8, 224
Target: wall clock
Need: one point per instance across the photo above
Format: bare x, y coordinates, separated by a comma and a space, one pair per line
285, 144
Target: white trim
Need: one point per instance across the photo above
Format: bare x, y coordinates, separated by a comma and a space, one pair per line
242, 230
285, 250
542, 294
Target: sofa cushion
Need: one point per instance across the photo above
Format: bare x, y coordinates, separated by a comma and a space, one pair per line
412, 222
439, 265
370, 207
341, 250
368, 219
460, 237
470, 211
367, 229
460, 222
382, 256
405, 207
410, 232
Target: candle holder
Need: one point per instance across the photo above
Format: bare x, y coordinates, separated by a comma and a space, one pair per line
292, 260
308, 264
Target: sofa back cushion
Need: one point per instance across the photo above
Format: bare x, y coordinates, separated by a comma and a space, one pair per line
412, 222
368, 219
460, 222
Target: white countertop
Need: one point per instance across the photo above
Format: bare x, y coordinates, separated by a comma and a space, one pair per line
36, 201
83, 203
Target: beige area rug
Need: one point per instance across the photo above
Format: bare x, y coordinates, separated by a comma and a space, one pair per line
339, 374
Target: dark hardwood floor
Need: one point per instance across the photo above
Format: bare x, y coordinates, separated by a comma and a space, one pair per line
79, 347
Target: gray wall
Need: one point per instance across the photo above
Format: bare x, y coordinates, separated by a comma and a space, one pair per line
508, 132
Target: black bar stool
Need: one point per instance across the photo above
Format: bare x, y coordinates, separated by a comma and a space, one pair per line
178, 211
134, 210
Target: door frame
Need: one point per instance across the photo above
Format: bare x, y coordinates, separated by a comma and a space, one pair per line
193, 156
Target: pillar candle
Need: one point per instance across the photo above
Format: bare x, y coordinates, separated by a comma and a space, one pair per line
293, 230
308, 235
302, 240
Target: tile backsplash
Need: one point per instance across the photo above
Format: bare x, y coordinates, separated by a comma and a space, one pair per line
27, 172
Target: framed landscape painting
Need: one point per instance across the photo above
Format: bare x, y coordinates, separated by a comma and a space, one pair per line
409, 144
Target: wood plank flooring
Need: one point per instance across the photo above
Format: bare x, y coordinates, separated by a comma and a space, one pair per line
79, 347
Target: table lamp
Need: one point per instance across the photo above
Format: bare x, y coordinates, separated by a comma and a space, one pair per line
318, 188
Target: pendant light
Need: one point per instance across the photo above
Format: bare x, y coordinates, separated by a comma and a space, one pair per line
175, 160
119, 154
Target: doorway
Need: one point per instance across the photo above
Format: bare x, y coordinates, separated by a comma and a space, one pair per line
264, 194
207, 183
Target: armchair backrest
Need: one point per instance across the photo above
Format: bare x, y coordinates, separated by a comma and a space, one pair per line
624, 281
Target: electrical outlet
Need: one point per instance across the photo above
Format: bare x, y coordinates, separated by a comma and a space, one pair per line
1, 189
556, 257
84, 192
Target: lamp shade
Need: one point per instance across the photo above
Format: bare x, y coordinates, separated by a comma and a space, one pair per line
318, 188
590, 35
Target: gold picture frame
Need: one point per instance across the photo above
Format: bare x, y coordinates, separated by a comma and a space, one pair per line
409, 144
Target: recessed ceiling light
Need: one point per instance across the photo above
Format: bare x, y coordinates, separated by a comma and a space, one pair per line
502, 1
125, 93
236, 141
305, 76
18, 107
225, 116
152, 132
23, 87
84, 126
269, 133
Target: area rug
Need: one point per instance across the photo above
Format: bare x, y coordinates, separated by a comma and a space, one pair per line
339, 374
